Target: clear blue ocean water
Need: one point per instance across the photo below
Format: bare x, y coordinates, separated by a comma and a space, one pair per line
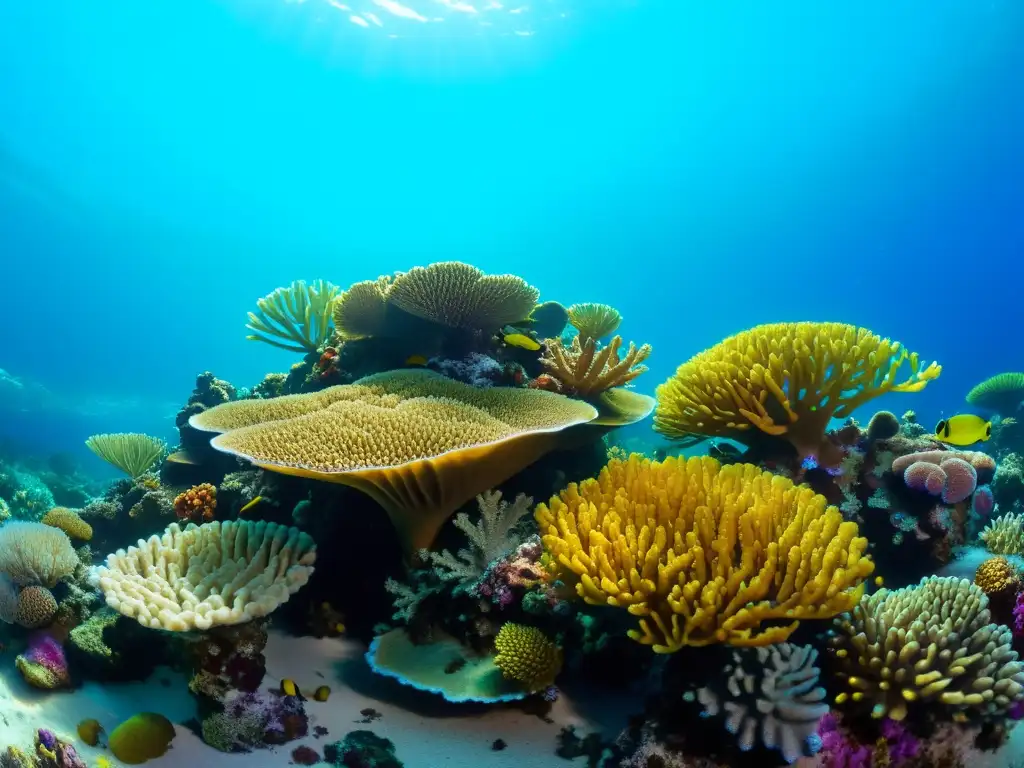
704, 167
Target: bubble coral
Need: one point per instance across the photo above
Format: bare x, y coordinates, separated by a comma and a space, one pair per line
931, 643
69, 521
142, 737
996, 575
296, 318
527, 656
198, 504
704, 553
788, 380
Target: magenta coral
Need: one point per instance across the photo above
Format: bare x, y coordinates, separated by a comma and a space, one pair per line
983, 502
43, 664
961, 480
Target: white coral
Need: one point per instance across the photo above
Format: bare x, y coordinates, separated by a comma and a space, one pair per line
35, 554
489, 538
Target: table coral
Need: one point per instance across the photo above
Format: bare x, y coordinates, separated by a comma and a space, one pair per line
704, 553
787, 380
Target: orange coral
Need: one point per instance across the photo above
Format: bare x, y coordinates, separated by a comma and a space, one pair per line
197, 504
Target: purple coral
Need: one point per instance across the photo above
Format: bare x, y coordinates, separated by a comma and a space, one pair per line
56, 753
43, 664
1018, 616
983, 502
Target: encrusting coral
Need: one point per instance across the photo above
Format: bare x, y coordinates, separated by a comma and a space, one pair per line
418, 443
1005, 535
704, 553
69, 521
296, 318
594, 321
584, 370
209, 575
787, 380
930, 643
527, 656
770, 695
131, 452
1002, 393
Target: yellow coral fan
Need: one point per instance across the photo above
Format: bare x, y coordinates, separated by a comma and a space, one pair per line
931, 643
1002, 393
1005, 535
785, 379
704, 553
594, 321
996, 575
458, 295
131, 452
528, 656
584, 370
68, 521
419, 443
361, 311
296, 318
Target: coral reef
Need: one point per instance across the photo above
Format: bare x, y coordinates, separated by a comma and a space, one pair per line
44, 665
363, 749
196, 505
255, 720
722, 551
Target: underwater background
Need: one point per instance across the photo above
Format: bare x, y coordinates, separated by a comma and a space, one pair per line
702, 167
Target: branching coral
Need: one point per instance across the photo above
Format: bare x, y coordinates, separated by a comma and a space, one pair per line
131, 452
1002, 393
584, 370
770, 695
210, 575
527, 656
594, 321
787, 380
296, 318
704, 553
1005, 535
932, 643
420, 444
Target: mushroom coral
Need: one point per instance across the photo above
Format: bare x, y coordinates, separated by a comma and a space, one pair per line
704, 553
787, 380
418, 443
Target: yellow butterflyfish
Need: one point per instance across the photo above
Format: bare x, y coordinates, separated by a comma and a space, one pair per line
965, 429
522, 341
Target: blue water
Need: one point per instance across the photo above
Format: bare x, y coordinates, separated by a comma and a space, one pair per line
702, 166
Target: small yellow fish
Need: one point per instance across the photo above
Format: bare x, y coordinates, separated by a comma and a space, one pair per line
965, 429
250, 505
322, 693
415, 360
522, 341
289, 688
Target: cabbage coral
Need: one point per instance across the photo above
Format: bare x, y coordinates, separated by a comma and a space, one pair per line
787, 380
703, 553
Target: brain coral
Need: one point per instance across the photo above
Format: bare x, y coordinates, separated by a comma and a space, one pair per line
952, 474
784, 379
209, 575
419, 443
703, 553
36, 607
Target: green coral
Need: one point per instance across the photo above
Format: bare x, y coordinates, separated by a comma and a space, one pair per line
131, 452
296, 318
88, 636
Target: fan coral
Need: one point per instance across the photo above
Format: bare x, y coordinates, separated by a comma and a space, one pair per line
787, 380
210, 575
458, 295
931, 643
584, 370
361, 311
198, 504
1002, 393
296, 318
131, 452
594, 321
418, 443
996, 575
527, 656
43, 665
704, 553
771, 694
69, 521
34, 553
1005, 535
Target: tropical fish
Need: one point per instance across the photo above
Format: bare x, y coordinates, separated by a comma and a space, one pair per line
964, 429
322, 693
416, 360
289, 688
522, 341
250, 505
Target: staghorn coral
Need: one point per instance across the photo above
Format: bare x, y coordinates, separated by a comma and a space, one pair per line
361, 311
419, 444
583, 370
594, 321
931, 643
131, 452
198, 504
787, 380
296, 318
704, 553
527, 656
1002, 393
996, 575
69, 521
461, 296
210, 575
770, 695
1005, 535
35, 554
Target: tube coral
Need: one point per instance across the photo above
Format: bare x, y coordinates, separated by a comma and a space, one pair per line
703, 553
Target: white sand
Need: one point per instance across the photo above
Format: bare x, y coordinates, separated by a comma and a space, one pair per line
428, 732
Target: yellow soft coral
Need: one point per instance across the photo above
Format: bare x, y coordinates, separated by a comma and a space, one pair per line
528, 656
784, 379
704, 553
68, 521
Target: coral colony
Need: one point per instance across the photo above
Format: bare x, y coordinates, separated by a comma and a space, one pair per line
439, 477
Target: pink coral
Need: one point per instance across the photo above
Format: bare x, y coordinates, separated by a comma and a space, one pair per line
951, 474
961, 480
923, 476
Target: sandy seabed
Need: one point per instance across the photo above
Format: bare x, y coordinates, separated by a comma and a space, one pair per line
427, 731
